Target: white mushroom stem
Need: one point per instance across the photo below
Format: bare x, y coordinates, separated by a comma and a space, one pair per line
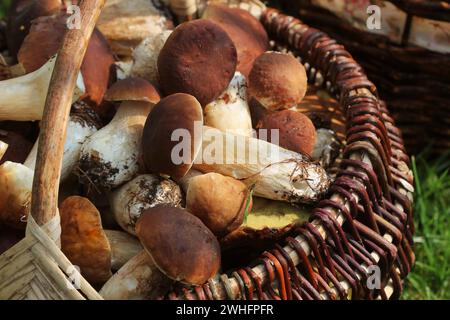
78, 130
109, 157
23, 98
3, 148
276, 173
16, 179
143, 192
230, 112
138, 279
123, 247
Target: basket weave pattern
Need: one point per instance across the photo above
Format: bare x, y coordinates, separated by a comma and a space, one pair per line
365, 220
413, 80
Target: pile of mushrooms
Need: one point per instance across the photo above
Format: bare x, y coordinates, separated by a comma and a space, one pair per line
192, 138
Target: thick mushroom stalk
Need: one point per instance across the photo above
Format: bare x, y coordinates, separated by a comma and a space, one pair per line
143, 192
123, 247
230, 112
23, 98
138, 279
16, 179
109, 157
276, 173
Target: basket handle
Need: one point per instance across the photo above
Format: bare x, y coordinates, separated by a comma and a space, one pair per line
56, 113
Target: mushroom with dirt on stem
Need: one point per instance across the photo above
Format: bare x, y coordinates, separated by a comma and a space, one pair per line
94, 250
145, 191
109, 157
23, 98
178, 247
184, 143
16, 179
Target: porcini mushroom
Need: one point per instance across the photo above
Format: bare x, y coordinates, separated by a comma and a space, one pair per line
138, 279
23, 98
143, 192
83, 240
126, 23
219, 201
110, 156
230, 111
198, 58
174, 128
191, 254
247, 33
44, 40
178, 246
296, 130
21, 13
277, 81
16, 179
145, 56
123, 247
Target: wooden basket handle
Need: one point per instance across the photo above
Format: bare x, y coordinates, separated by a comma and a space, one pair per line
56, 113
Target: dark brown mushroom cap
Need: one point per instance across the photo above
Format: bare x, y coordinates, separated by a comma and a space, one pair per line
296, 130
277, 81
181, 246
44, 41
21, 13
132, 89
247, 33
179, 112
198, 58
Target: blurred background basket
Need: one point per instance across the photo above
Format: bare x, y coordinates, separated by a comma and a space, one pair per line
363, 225
408, 59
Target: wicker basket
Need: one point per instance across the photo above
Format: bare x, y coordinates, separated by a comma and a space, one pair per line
408, 59
365, 221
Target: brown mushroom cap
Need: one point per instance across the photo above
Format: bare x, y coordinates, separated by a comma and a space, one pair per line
44, 41
21, 13
296, 130
179, 111
83, 240
132, 89
198, 58
247, 33
277, 81
218, 201
181, 246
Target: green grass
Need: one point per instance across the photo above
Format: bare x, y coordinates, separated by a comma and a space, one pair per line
4, 5
430, 278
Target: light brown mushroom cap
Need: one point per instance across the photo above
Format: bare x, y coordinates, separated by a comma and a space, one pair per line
181, 246
296, 130
83, 240
176, 113
218, 201
277, 81
198, 58
247, 33
132, 89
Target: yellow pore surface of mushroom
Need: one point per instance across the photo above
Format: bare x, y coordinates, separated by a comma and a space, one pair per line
83, 240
